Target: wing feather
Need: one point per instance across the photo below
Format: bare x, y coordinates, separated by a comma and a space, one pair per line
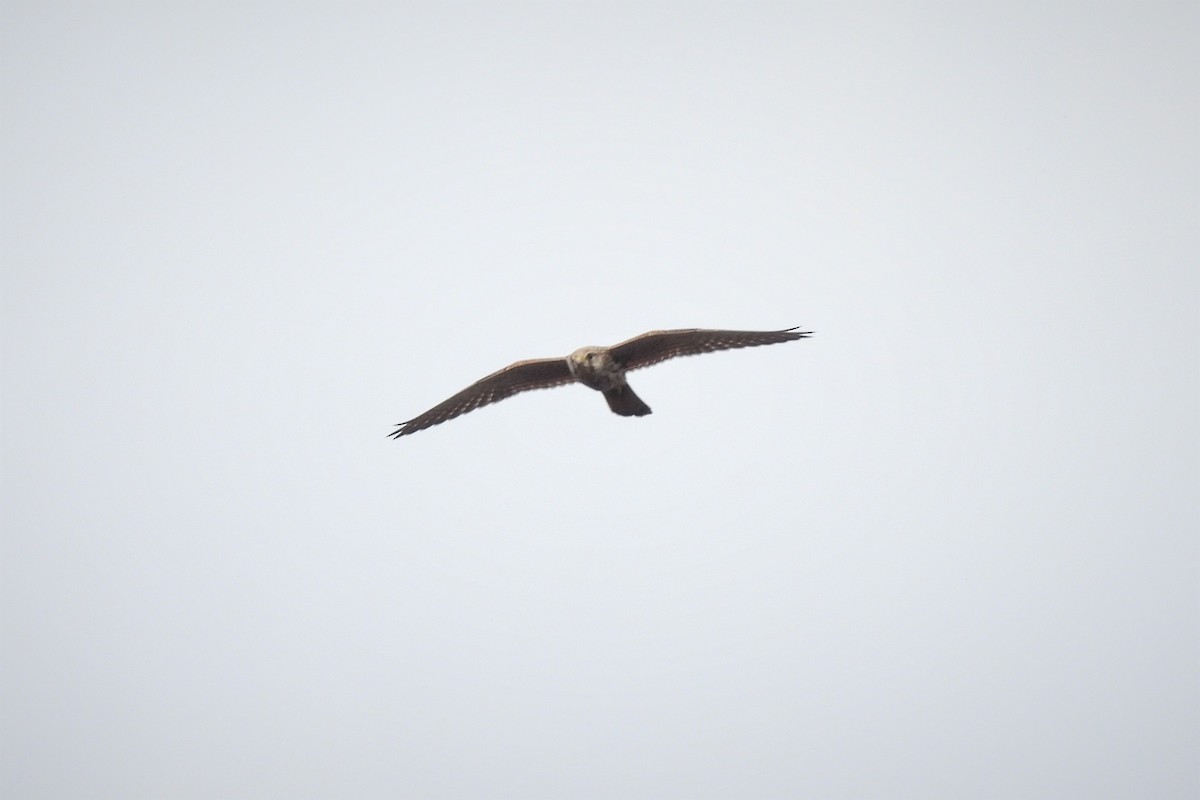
540, 373
657, 346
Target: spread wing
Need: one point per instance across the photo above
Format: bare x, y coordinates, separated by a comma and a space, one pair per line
541, 373
655, 346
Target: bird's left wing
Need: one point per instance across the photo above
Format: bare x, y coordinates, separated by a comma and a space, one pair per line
656, 346
541, 373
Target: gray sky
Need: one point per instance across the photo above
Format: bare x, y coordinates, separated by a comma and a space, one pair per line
947, 548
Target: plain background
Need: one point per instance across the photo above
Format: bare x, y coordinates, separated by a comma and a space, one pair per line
948, 547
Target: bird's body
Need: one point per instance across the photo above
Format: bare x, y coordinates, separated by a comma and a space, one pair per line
599, 368
595, 368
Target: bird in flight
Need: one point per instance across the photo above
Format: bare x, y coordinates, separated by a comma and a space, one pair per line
599, 368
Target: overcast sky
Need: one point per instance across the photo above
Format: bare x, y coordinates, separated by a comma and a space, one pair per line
949, 547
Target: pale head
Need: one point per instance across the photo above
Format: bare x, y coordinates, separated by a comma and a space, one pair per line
594, 367
591, 356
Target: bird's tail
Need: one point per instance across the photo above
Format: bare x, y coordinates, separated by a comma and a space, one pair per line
623, 401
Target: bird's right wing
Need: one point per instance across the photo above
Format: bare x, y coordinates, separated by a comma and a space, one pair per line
541, 373
655, 346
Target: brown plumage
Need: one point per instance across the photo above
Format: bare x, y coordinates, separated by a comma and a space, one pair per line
600, 368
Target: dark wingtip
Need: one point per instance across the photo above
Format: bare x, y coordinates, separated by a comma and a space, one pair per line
800, 335
403, 429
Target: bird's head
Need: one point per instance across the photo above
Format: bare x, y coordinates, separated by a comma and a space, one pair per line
586, 355
587, 361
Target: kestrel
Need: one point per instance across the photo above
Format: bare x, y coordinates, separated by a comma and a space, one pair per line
599, 368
